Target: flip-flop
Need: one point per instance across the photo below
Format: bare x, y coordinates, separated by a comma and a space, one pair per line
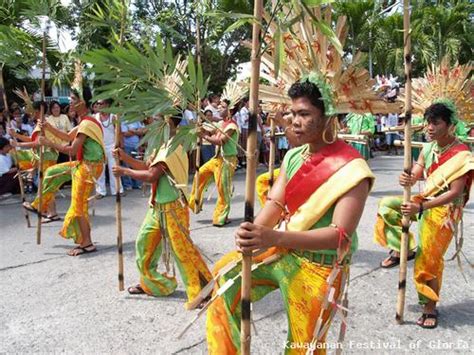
50, 219
395, 260
136, 290
27, 206
426, 316
83, 250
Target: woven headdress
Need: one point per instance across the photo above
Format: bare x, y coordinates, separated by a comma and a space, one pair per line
448, 85
310, 55
234, 92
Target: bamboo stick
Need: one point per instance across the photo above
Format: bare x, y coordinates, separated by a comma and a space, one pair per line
41, 153
198, 115
250, 178
271, 157
400, 143
118, 211
118, 196
407, 164
402, 128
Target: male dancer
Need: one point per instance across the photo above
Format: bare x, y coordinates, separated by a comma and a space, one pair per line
221, 167
166, 225
321, 193
447, 165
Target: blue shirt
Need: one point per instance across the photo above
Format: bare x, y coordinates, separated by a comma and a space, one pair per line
131, 141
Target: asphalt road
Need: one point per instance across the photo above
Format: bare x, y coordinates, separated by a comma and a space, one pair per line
53, 303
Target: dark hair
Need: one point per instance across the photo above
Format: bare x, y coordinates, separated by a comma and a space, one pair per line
212, 97
308, 90
52, 103
86, 95
37, 106
176, 120
4, 142
438, 111
108, 102
206, 111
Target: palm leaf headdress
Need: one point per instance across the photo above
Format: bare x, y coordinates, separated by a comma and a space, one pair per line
147, 82
234, 92
305, 51
451, 85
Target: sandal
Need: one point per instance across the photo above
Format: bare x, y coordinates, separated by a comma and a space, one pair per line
136, 290
27, 206
82, 250
50, 219
395, 260
425, 316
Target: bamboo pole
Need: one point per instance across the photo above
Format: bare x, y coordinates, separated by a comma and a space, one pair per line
41, 152
198, 114
402, 128
250, 177
118, 211
407, 164
400, 143
118, 197
271, 158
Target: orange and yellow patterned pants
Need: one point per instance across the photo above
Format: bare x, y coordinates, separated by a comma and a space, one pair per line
83, 183
54, 177
166, 226
435, 231
222, 169
303, 287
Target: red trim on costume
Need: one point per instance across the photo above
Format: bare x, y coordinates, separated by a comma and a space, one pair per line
443, 158
461, 147
316, 171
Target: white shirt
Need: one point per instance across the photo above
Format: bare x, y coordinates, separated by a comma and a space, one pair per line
244, 115
6, 163
188, 117
109, 130
215, 111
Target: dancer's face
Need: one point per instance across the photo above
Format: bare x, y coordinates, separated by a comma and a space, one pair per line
308, 121
437, 129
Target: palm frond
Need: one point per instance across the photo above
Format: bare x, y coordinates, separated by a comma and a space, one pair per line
26, 99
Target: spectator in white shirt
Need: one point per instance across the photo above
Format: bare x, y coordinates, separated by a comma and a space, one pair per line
214, 101
108, 122
8, 179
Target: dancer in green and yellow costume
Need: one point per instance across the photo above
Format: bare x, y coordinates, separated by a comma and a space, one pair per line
88, 147
165, 230
447, 165
28, 159
221, 168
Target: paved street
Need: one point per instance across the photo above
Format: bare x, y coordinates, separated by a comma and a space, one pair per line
51, 302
